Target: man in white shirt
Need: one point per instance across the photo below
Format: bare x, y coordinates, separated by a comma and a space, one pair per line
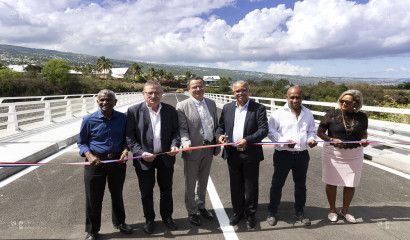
198, 120
295, 124
152, 128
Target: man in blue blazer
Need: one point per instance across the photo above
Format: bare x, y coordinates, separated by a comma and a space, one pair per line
245, 123
152, 128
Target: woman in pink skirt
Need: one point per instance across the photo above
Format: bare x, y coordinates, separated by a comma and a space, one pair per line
342, 162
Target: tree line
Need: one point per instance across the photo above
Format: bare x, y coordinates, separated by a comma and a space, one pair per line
54, 78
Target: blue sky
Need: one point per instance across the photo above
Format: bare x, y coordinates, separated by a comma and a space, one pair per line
336, 38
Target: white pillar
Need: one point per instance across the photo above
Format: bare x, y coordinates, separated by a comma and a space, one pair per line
12, 124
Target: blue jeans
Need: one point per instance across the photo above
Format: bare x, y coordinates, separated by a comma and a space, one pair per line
283, 162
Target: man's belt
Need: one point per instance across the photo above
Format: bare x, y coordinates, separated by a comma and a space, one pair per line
207, 142
103, 156
295, 152
239, 149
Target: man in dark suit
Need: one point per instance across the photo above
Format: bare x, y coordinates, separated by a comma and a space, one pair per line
245, 123
198, 120
152, 128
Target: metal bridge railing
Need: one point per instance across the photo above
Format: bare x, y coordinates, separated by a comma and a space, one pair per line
387, 132
19, 111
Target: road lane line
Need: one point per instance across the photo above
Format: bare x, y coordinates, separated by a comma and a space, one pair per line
29, 169
228, 230
390, 170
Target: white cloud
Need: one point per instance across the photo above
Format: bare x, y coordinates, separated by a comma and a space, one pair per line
224, 65
390, 70
404, 69
287, 69
174, 31
245, 65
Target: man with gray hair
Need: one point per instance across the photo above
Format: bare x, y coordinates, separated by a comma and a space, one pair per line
152, 128
102, 137
243, 122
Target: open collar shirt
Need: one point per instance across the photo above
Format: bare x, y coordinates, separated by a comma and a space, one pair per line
156, 127
239, 122
283, 126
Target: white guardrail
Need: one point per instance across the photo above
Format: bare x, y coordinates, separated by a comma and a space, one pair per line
19, 111
387, 132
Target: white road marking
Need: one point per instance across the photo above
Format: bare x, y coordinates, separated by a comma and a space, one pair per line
390, 170
29, 169
228, 230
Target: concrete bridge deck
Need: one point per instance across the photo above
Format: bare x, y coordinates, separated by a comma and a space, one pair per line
48, 202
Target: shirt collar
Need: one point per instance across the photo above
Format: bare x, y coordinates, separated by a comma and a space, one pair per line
150, 109
101, 115
287, 108
196, 101
245, 106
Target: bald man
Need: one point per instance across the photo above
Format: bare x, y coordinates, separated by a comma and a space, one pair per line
295, 124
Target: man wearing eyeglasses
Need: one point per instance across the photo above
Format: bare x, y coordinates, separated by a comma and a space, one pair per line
243, 122
294, 124
198, 120
152, 128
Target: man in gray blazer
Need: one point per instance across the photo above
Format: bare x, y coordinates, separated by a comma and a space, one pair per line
198, 121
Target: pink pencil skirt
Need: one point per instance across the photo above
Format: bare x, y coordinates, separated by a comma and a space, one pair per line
341, 167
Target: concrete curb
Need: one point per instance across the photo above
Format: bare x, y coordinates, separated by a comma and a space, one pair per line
6, 172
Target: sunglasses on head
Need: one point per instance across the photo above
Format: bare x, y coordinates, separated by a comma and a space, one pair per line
347, 102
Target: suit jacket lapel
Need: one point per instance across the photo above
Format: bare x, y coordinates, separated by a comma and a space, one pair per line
211, 111
248, 112
231, 115
147, 120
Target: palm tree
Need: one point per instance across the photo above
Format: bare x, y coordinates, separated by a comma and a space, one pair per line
153, 73
104, 65
135, 70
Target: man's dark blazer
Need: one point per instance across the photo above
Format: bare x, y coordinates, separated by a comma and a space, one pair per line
255, 129
139, 133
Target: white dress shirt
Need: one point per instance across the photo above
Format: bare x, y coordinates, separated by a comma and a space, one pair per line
156, 128
202, 117
283, 126
239, 123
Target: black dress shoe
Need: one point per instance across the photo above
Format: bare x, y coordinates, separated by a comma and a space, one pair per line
300, 216
194, 219
149, 226
170, 223
235, 219
271, 219
125, 228
91, 236
206, 213
250, 222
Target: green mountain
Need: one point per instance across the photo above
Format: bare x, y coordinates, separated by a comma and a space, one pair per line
22, 55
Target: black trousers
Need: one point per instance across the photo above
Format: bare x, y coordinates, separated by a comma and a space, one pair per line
146, 181
283, 162
244, 182
95, 178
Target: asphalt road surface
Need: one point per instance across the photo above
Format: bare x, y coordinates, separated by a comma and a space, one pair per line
49, 203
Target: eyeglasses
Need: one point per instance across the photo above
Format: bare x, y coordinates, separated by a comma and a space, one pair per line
241, 91
152, 93
197, 87
347, 102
